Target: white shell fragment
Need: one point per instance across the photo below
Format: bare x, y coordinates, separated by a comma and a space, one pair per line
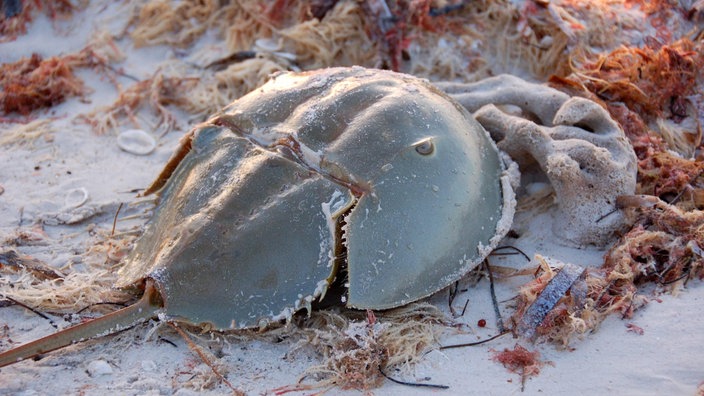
75, 198
268, 44
136, 141
98, 368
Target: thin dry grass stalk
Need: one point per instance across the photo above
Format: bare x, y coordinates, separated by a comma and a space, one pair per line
26, 134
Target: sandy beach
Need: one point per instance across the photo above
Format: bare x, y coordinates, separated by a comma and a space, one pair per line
69, 209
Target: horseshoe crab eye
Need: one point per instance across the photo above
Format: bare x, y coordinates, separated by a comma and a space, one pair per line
425, 147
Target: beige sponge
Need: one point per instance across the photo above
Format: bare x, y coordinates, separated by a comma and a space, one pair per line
583, 152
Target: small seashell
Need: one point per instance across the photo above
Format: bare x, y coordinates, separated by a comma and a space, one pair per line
76, 197
149, 366
267, 44
136, 141
285, 55
98, 368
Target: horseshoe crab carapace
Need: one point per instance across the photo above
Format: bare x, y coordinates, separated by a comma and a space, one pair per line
370, 175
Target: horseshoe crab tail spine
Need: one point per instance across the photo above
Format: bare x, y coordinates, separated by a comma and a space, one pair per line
147, 307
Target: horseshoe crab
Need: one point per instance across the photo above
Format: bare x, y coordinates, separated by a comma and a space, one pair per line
373, 178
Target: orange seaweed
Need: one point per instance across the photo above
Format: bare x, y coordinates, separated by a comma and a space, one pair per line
641, 87
15, 25
521, 361
36, 82
665, 175
647, 80
33, 83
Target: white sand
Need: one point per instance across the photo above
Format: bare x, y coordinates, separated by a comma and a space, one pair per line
666, 359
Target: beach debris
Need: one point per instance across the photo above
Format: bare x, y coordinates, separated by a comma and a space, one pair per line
75, 197
97, 368
11, 8
15, 15
663, 244
25, 135
657, 82
651, 92
175, 24
663, 247
633, 328
337, 39
218, 371
548, 298
11, 260
466, 40
34, 82
360, 349
72, 215
29, 236
156, 94
136, 141
406, 36
37, 82
278, 160
355, 356
521, 361
574, 141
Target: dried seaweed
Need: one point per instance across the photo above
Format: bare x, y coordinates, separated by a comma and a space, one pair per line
659, 86
16, 15
77, 287
521, 361
176, 24
337, 40
155, 94
27, 134
648, 80
35, 82
425, 38
664, 247
356, 352
667, 176
654, 93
